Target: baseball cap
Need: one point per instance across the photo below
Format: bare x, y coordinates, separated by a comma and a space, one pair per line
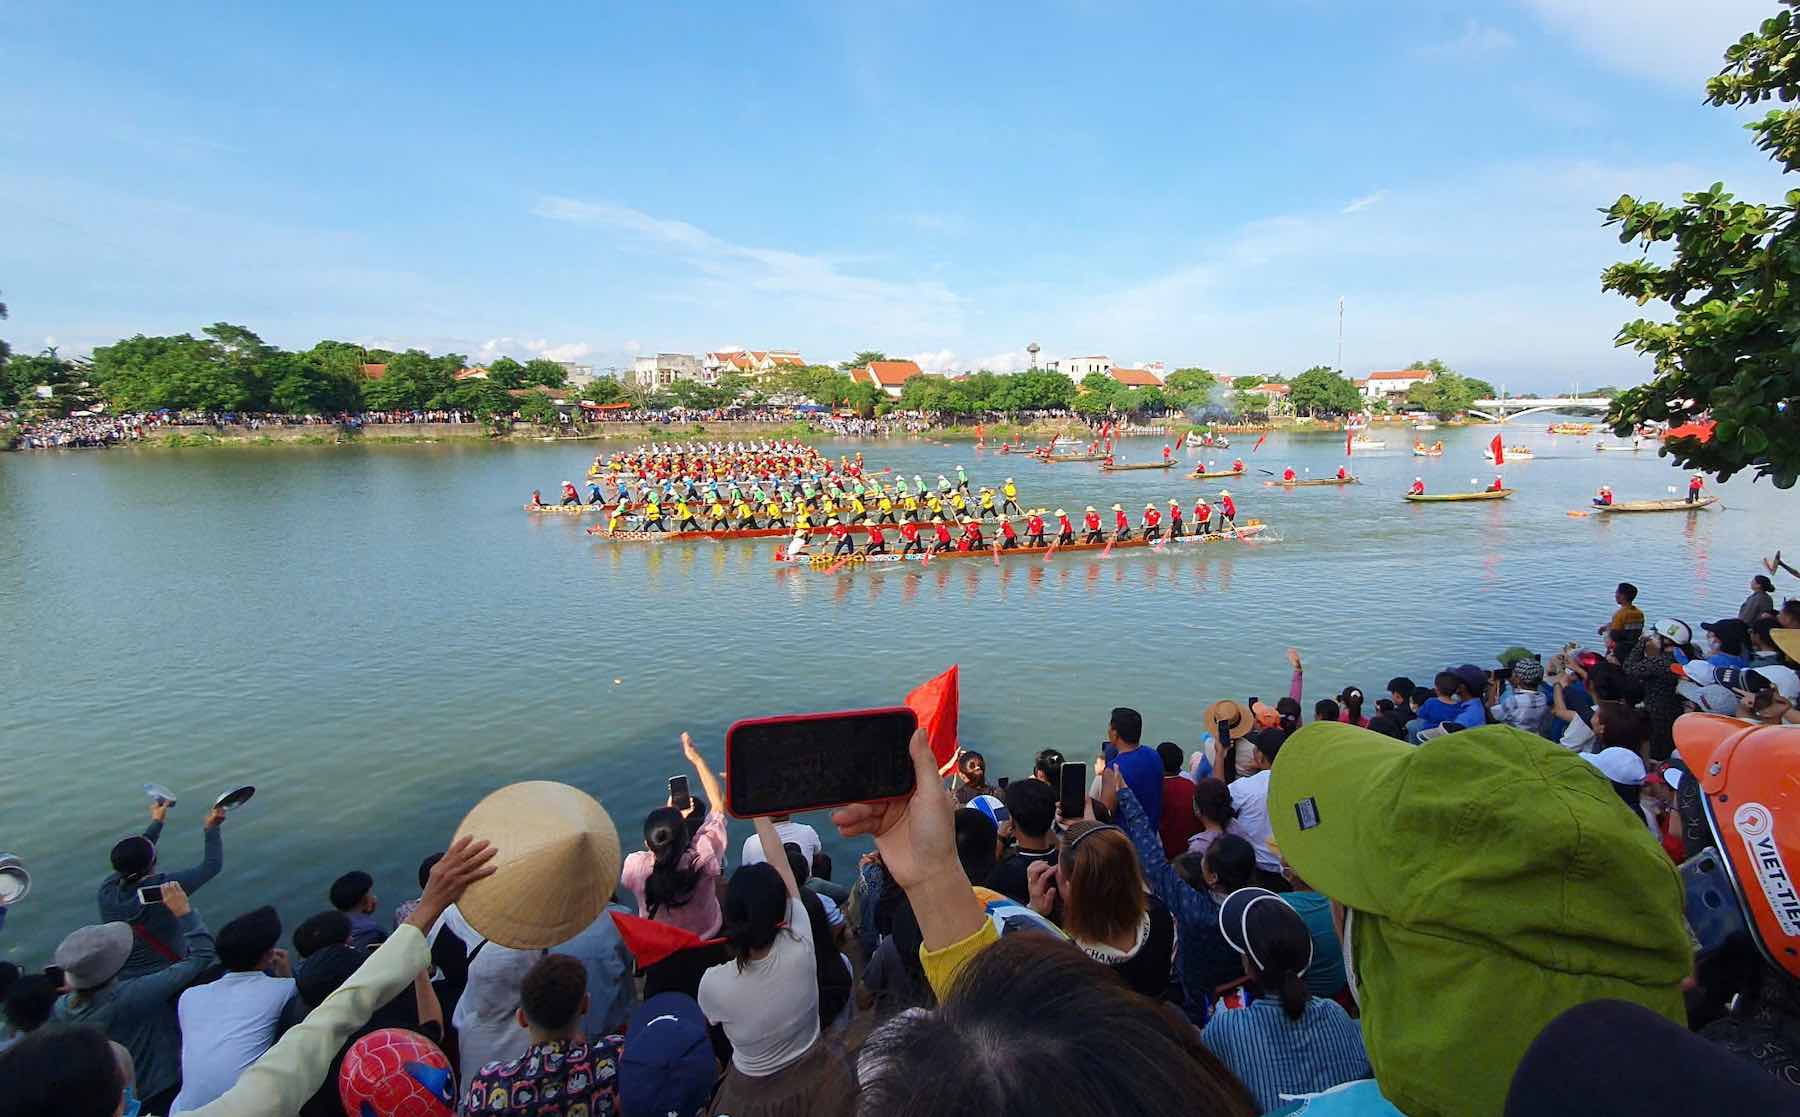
991, 806
1712, 699
1620, 765
1474, 677
1257, 922
1675, 631
1729, 629
1785, 680
667, 1067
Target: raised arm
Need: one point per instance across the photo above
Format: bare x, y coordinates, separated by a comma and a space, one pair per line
1178, 895
1299, 671
709, 780
776, 856
212, 860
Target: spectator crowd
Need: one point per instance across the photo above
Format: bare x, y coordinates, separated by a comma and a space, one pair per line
1500, 890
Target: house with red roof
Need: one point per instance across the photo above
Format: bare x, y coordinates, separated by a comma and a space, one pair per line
1135, 377
1392, 384
889, 376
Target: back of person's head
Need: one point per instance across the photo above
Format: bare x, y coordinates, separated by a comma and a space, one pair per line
1106, 888
1171, 756
246, 940
1628, 591
1763, 584
30, 1001
1389, 723
1446, 683
348, 890
133, 857
1790, 613
70, 1072
1048, 764
756, 904
1030, 1008
426, 866
1212, 802
1352, 698
672, 880
1191, 867
1128, 724
316, 932
796, 859
1032, 805
976, 835
1420, 696
1325, 709
1402, 686
1274, 942
1268, 742
1624, 726
1232, 862
1289, 709
1606, 682
552, 992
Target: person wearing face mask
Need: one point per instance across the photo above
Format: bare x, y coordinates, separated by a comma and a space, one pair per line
1728, 643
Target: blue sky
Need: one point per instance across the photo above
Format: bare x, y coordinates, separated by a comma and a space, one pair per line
1193, 183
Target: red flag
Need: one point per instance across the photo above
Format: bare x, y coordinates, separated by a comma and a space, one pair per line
1179, 439
1498, 446
936, 702
1349, 442
650, 942
1259, 442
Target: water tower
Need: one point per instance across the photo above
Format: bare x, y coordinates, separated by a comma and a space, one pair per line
1033, 350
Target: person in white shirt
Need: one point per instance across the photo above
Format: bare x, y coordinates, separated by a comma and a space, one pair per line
1250, 797
786, 830
228, 1024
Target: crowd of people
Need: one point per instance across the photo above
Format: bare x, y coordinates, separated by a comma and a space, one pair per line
1496, 893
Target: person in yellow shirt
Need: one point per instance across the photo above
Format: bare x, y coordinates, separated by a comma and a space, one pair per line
958, 502
910, 505
616, 518
802, 519
684, 517
934, 506
886, 509
716, 513
1010, 493
987, 504
776, 516
746, 516
858, 510
827, 506
653, 515
1627, 622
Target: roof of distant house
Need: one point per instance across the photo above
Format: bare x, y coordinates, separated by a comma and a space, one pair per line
1270, 389
886, 374
374, 372
473, 372
1402, 374
1135, 377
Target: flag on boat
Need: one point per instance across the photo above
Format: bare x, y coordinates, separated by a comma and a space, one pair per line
1180, 438
936, 702
1498, 446
1349, 441
1259, 442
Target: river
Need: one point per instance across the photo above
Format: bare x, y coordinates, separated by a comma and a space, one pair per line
376, 637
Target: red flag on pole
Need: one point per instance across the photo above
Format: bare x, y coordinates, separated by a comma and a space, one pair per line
1349, 443
1498, 446
1259, 442
936, 702
1180, 438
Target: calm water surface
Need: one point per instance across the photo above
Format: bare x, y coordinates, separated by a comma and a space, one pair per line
376, 637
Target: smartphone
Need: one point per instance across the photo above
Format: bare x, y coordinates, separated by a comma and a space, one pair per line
679, 796
1074, 792
150, 894
1004, 780
807, 762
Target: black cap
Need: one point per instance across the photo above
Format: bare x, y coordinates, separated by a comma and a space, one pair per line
1257, 922
348, 890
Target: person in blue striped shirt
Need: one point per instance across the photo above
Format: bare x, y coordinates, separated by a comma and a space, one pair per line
1283, 1042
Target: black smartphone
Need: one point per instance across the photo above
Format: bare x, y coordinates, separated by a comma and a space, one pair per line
1074, 796
679, 796
150, 894
1004, 780
807, 762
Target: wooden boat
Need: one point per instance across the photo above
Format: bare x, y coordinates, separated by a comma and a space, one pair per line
1202, 475
1425, 427
1658, 505
1435, 452
1298, 484
1367, 444
1607, 447
564, 509
1439, 498
725, 536
1513, 453
1251, 530
1572, 428
1170, 464
1072, 457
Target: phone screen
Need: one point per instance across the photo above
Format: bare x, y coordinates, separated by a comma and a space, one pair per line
150, 894
1074, 796
1004, 780
809, 761
679, 796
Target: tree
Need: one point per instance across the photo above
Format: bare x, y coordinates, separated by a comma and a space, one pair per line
1244, 401
1434, 366
506, 372
1036, 390
1189, 387
540, 370
605, 390
20, 376
864, 397
1245, 383
1732, 282
537, 408
862, 359
1447, 395
1144, 401
1321, 391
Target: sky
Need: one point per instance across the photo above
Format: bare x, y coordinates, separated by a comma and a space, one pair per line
1196, 183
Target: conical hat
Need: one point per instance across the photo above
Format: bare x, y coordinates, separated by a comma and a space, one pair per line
556, 866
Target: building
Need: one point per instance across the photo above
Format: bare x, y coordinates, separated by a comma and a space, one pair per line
1275, 394
374, 372
754, 363
1135, 377
889, 376
1378, 386
1077, 367
471, 372
664, 369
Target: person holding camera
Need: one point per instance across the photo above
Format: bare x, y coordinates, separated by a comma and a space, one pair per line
157, 941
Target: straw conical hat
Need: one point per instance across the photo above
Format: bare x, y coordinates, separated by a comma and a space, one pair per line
556, 867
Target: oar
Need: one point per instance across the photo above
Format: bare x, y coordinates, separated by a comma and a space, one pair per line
1269, 472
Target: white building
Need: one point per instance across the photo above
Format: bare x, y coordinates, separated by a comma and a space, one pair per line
665, 369
1077, 367
1392, 385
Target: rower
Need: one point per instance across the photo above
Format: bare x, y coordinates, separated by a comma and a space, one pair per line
1065, 531
885, 506
988, 511
909, 531
1237, 465
877, 541
802, 517
1152, 522
1010, 493
1695, 484
943, 485
1227, 511
840, 536
1605, 499
746, 515
1418, 486
716, 513
1175, 531
1343, 474
1497, 485
1167, 453
1287, 475
1202, 515
959, 504
1121, 524
537, 499
971, 536
1034, 528
1418, 445
797, 545
616, 518
941, 533
777, 518
858, 510
684, 516
653, 517
1091, 522
1009, 539
570, 496
910, 505
934, 506
962, 479
595, 496
900, 485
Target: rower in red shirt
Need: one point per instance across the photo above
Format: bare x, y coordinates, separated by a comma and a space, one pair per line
1121, 525
909, 531
840, 535
570, 496
537, 499
1152, 522
1166, 452
971, 537
1034, 529
877, 541
1202, 515
1418, 486
1237, 465
1287, 475
1065, 531
1343, 474
1695, 484
1175, 531
1227, 511
942, 542
1497, 485
1008, 537
1090, 522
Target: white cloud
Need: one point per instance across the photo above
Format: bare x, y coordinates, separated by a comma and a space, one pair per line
1013, 360
1675, 42
633, 346
1364, 202
1477, 38
495, 347
940, 360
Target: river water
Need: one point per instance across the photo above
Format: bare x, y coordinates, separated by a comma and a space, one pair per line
376, 637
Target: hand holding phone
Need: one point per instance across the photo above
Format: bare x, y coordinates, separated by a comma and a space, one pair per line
1073, 796
805, 762
175, 898
150, 894
679, 796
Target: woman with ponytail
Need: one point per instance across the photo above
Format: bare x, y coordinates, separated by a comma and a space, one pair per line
1284, 1041
1351, 701
675, 876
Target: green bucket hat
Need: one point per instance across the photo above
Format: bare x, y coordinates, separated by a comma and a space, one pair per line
1514, 654
1493, 880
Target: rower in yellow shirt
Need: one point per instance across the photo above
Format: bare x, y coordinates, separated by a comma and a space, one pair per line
802, 518
886, 509
933, 505
987, 503
959, 503
716, 513
858, 510
746, 516
653, 517
1010, 493
616, 518
684, 517
910, 505
776, 517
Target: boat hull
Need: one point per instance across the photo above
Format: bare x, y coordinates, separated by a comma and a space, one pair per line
1311, 483
1452, 498
1247, 532
1215, 475
1631, 506
1138, 465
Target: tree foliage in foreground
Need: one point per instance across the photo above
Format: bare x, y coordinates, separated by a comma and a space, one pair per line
1321, 391
1733, 284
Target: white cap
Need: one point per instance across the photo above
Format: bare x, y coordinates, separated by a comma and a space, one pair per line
1711, 699
1619, 765
1786, 680
1675, 630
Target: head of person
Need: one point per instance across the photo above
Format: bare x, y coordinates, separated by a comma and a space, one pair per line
1729, 636
1325, 709
1171, 756
1048, 766
133, 858
1032, 805
672, 878
756, 904
1288, 711
977, 843
553, 998
316, 932
1125, 728
1101, 886
1274, 943
1761, 584
1789, 617
426, 866
1420, 696
1625, 594
30, 1001
1191, 868
1229, 864
1032, 1006
248, 942
1762, 638
1212, 803
1267, 743
1351, 698
72, 1072
92, 956
1618, 725
1447, 685
973, 767
354, 893
667, 1065
1400, 689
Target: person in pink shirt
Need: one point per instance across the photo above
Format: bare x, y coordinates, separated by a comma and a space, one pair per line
675, 876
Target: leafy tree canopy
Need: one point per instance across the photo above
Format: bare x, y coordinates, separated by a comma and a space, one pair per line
863, 358
1321, 391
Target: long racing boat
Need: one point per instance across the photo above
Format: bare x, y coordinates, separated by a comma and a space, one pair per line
1442, 498
1203, 475
1252, 530
1169, 464
1312, 481
1056, 458
1658, 505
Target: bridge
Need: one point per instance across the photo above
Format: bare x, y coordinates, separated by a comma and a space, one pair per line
1500, 410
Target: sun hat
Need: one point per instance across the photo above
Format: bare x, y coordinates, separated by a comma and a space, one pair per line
1514, 654
1675, 631
1788, 640
1265, 714
1712, 699
1118, 508
1224, 492
667, 1064
93, 955
1495, 868
1620, 765
1234, 714
1257, 922
991, 806
556, 864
